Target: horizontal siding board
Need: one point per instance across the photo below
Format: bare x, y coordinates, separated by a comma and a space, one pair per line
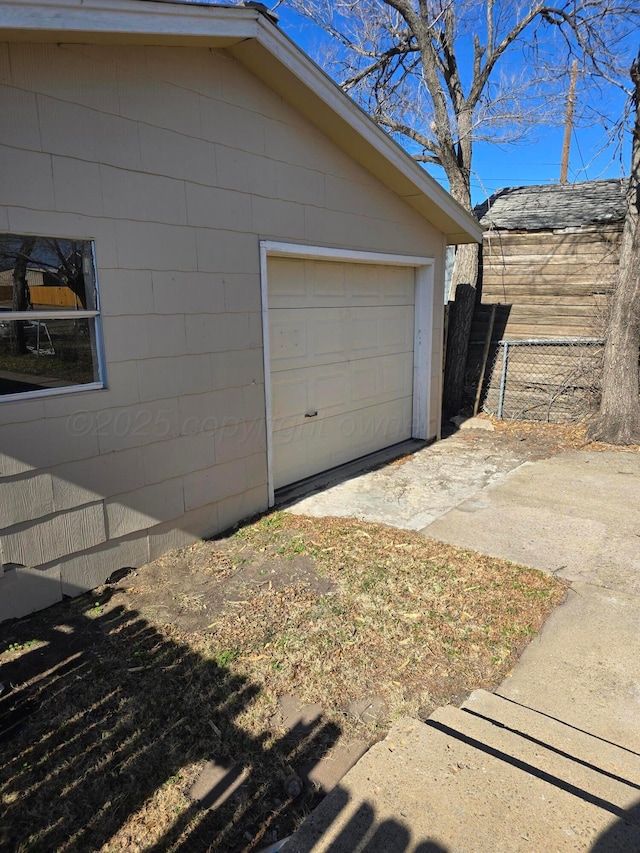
508, 295
61, 535
592, 300
585, 278
550, 252
579, 237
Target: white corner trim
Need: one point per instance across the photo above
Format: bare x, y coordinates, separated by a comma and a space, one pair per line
267, 367
423, 330
422, 352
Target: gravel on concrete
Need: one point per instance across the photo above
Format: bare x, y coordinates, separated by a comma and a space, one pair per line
415, 490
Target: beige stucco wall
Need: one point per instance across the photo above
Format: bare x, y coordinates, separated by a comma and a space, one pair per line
176, 162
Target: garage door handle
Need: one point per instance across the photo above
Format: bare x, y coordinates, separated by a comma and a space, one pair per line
311, 415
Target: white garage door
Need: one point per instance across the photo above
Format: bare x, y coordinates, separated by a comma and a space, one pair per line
341, 343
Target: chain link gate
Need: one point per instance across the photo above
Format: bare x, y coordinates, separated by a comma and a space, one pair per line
555, 380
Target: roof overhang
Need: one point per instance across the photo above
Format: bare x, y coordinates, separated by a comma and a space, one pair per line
266, 51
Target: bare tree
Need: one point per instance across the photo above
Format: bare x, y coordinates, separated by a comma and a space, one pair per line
618, 421
432, 73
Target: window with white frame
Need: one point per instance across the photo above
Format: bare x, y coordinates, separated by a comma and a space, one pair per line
49, 316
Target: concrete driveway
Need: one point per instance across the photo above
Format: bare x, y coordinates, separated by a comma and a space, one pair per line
576, 514
415, 490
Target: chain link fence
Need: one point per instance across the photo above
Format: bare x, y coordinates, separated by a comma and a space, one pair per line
556, 380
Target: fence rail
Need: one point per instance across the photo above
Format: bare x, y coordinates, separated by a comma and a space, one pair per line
556, 380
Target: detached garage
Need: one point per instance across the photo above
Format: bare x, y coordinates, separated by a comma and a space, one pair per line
217, 277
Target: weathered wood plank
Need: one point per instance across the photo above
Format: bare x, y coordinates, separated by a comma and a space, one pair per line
521, 277
550, 250
507, 295
605, 234
550, 310
593, 300
588, 268
539, 330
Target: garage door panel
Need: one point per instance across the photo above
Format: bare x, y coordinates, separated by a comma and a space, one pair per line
324, 284
365, 380
373, 286
384, 378
363, 284
336, 389
288, 339
287, 282
305, 337
289, 396
332, 388
381, 330
310, 448
397, 374
329, 334
397, 286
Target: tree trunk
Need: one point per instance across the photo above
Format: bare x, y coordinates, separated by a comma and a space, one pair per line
460, 318
618, 421
465, 279
21, 295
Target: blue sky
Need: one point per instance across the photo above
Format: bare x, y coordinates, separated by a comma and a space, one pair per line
536, 161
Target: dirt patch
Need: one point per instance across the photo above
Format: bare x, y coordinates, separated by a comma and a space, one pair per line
192, 587
114, 704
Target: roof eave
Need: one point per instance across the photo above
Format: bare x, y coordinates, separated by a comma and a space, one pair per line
127, 21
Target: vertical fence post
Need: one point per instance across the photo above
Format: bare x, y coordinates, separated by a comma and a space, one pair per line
503, 377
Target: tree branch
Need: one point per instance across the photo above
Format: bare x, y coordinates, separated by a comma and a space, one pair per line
379, 64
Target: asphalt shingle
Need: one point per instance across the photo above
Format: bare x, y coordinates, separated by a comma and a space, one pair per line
541, 208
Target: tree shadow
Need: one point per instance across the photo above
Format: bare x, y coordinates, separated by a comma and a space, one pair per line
102, 717
623, 834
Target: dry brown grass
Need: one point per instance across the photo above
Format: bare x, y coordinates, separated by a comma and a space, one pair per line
412, 620
113, 712
557, 437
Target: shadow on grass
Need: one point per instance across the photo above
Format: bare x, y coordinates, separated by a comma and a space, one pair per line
98, 721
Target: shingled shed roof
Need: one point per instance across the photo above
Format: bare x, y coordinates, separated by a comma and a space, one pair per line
543, 208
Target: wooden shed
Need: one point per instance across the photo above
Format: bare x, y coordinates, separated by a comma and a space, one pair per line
549, 259
551, 254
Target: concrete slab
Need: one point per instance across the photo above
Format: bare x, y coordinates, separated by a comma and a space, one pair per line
584, 666
414, 491
422, 790
218, 781
326, 773
576, 514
